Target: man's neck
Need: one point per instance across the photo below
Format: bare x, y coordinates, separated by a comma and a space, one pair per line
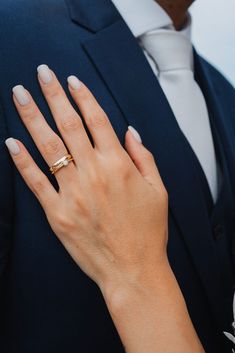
177, 10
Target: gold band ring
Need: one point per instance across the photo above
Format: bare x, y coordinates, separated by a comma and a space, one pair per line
63, 162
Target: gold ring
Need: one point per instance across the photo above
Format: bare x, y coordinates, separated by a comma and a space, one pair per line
63, 162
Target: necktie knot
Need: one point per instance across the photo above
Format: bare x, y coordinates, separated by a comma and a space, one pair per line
169, 49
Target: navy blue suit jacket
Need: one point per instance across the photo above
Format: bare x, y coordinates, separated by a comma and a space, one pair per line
48, 305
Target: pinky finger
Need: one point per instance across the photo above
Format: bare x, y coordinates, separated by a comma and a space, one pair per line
32, 175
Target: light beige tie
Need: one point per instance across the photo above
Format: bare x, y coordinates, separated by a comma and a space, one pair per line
172, 52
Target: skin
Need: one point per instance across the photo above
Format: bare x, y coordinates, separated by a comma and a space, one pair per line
99, 215
177, 10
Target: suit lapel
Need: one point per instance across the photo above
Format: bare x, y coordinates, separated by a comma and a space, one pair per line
93, 14
123, 67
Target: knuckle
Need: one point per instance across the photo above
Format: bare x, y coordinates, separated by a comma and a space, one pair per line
83, 94
98, 119
148, 156
53, 91
52, 146
122, 167
98, 182
71, 122
80, 206
38, 185
23, 163
120, 163
64, 223
29, 113
127, 173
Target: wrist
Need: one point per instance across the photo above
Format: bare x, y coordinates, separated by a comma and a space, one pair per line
120, 293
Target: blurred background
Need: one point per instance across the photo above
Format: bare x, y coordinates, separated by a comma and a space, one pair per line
214, 33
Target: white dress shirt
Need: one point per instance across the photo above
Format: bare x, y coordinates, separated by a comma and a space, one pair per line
144, 16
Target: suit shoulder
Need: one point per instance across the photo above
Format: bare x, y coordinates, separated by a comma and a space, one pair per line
6, 5
14, 8
17, 11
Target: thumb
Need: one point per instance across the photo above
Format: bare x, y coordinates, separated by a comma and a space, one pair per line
142, 158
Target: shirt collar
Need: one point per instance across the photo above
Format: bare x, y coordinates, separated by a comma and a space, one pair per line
143, 16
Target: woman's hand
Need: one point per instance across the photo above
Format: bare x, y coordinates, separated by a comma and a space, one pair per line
110, 214
111, 209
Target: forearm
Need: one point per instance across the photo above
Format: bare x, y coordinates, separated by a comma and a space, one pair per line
152, 316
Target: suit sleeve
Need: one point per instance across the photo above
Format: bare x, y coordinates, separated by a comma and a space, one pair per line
6, 200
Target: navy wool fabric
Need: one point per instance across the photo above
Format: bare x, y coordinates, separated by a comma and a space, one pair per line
47, 304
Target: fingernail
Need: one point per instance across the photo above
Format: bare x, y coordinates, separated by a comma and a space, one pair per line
135, 134
21, 95
74, 82
12, 146
44, 73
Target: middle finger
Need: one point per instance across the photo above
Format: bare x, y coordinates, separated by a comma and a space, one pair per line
67, 119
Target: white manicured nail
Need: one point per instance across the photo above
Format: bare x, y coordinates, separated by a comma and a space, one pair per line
74, 82
12, 146
21, 95
135, 134
45, 74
